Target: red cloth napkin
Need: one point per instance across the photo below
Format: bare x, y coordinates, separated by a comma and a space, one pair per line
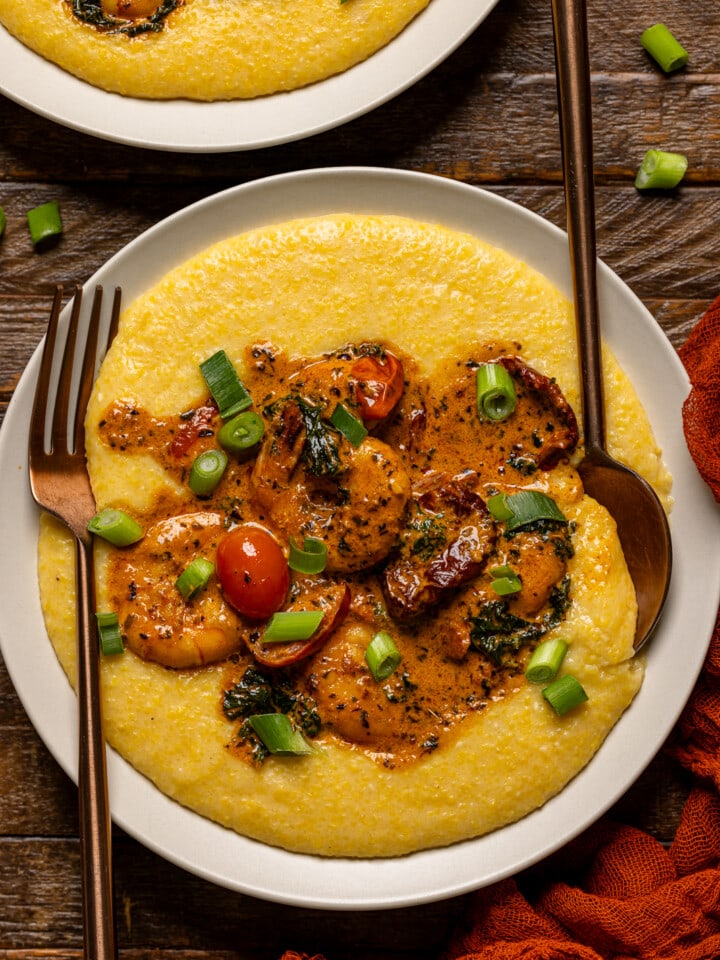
616, 893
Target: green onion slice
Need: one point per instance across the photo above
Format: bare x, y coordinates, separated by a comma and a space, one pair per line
289, 625
349, 426
661, 170
116, 527
194, 577
207, 471
382, 656
227, 389
564, 694
279, 736
311, 558
495, 391
530, 505
109, 632
505, 581
44, 222
498, 506
546, 660
3, 221
662, 46
242, 434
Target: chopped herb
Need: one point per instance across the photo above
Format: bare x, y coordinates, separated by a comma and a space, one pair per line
256, 694
321, 453
431, 535
497, 633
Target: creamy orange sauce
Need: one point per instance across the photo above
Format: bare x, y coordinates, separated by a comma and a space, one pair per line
411, 505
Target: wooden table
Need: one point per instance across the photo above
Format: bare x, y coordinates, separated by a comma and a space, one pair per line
487, 116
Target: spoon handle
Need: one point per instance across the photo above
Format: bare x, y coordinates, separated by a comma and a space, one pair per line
574, 98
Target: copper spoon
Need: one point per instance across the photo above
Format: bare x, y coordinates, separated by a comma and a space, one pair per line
641, 521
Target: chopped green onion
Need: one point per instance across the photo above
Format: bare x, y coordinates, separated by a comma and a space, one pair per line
661, 170
505, 581
495, 391
311, 558
564, 694
116, 527
382, 656
546, 660
224, 384
44, 222
279, 736
194, 577
662, 46
530, 505
242, 434
289, 625
109, 631
3, 221
207, 471
349, 426
498, 507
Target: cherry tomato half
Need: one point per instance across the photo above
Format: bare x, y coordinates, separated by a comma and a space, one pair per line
379, 385
252, 571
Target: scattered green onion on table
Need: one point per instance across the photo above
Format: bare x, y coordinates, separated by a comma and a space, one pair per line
44, 222
661, 170
664, 48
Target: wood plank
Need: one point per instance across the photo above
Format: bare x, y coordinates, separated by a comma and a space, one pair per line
466, 117
501, 78
40, 908
638, 236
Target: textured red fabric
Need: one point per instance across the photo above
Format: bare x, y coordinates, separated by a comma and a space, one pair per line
615, 893
701, 410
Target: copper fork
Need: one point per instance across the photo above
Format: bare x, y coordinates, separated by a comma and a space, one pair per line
60, 484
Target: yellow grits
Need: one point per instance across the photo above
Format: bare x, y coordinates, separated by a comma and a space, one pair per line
307, 287
214, 49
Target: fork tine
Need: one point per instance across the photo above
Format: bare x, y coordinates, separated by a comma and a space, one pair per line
39, 413
58, 439
114, 317
87, 373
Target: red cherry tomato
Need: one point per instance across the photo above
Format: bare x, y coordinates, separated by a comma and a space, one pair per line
253, 571
379, 385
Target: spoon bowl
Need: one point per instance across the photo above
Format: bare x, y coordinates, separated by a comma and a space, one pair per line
641, 520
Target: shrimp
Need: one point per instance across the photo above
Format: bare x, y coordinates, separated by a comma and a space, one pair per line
314, 483
156, 622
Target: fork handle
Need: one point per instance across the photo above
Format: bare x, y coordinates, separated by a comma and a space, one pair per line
95, 836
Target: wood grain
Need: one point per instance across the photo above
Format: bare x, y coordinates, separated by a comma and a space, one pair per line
486, 116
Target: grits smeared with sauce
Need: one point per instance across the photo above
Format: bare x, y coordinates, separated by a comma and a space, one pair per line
206, 49
453, 742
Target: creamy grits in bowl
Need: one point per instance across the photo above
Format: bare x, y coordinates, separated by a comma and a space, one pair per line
383, 497
205, 49
174, 83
